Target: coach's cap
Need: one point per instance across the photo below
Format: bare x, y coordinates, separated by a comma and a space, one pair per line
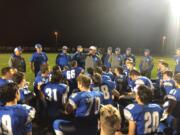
79, 46
128, 49
92, 48
17, 49
146, 50
38, 46
64, 48
117, 49
109, 48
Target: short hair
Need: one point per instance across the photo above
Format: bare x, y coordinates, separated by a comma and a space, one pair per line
84, 80
168, 73
18, 77
73, 63
134, 72
8, 92
177, 78
90, 70
104, 68
165, 64
110, 118
129, 62
119, 69
145, 94
98, 70
97, 80
44, 68
56, 68
5, 70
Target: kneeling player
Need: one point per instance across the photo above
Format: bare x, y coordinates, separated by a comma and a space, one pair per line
143, 116
14, 119
85, 105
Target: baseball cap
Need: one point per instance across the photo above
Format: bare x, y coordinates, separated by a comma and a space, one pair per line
79, 46
146, 50
17, 49
38, 46
64, 48
117, 49
129, 49
109, 48
92, 48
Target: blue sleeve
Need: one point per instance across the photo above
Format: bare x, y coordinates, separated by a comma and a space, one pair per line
46, 57
74, 100
32, 58
129, 112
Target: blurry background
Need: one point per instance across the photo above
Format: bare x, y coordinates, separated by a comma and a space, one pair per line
125, 23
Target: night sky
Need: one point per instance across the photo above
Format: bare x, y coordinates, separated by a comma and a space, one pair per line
135, 23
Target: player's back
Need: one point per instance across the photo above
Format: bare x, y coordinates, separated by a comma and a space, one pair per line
16, 120
71, 75
106, 87
56, 96
146, 117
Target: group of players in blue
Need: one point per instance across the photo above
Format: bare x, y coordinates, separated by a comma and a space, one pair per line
67, 100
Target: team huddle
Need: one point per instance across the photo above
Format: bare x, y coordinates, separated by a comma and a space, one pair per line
89, 94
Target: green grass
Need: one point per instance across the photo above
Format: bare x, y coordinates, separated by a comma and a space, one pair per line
52, 56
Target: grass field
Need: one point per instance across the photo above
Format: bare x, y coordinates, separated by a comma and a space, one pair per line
52, 56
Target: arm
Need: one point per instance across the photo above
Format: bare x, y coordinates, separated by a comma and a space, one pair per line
132, 128
10, 62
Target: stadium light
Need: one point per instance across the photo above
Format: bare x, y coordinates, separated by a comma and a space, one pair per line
175, 19
175, 7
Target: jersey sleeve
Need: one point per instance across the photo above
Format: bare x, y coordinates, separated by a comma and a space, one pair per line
30, 115
129, 112
74, 100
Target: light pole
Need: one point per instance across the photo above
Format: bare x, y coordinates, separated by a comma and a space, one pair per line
56, 34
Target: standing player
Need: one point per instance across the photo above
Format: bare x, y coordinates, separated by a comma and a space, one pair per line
14, 119
38, 58
143, 116
55, 94
71, 75
85, 106
17, 61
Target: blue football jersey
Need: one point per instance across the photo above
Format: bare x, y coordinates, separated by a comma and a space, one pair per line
71, 75
142, 80
146, 117
168, 85
24, 94
86, 103
175, 95
40, 80
56, 97
3, 82
106, 87
16, 120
